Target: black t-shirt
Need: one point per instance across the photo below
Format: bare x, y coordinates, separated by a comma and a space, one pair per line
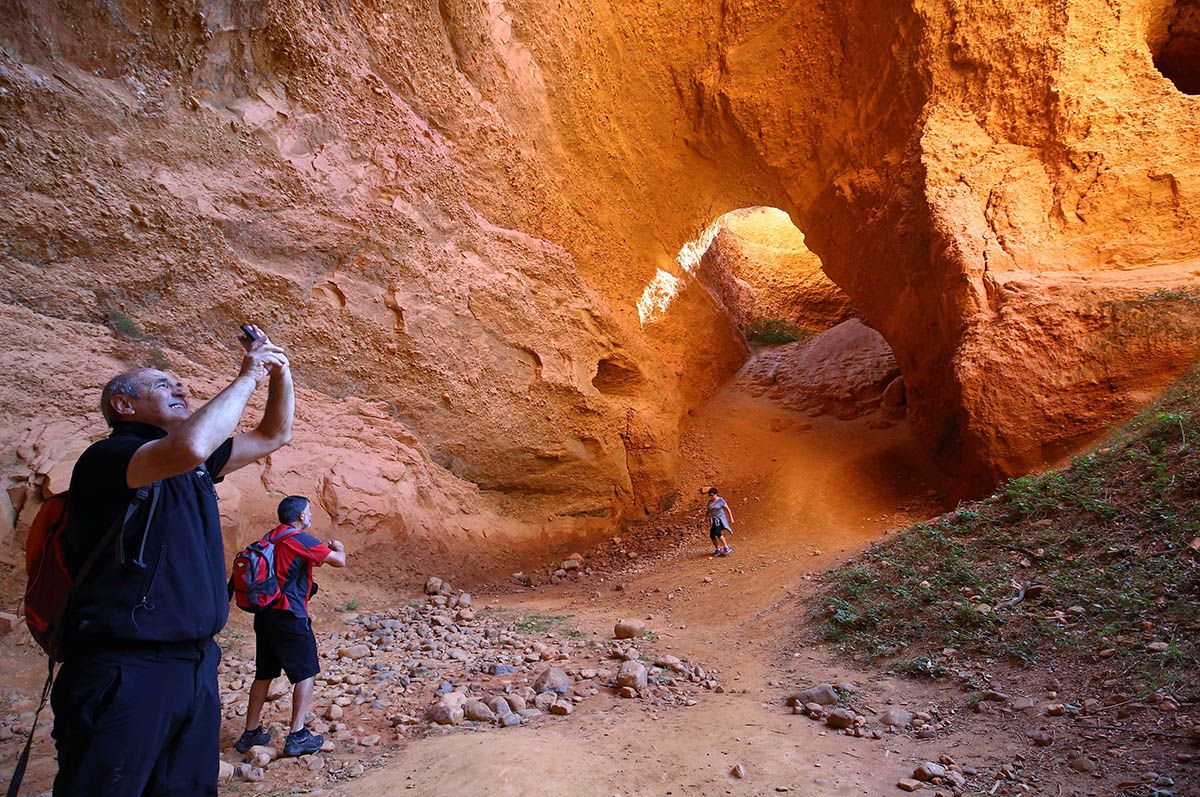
170, 585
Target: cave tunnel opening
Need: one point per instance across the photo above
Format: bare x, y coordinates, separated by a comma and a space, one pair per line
1176, 49
806, 431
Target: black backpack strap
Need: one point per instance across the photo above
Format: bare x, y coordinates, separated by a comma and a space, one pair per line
14, 785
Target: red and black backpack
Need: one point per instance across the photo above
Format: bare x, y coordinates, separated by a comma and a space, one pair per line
254, 585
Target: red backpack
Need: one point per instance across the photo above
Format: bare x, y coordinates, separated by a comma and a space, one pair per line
254, 585
51, 585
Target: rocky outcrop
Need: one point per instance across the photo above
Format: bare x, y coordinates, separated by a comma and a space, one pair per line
763, 271
842, 372
451, 211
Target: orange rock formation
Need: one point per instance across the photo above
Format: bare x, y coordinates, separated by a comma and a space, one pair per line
465, 220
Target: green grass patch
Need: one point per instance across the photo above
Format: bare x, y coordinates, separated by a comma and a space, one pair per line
123, 324
1108, 538
773, 332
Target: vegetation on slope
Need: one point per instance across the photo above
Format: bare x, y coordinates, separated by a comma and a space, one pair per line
1094, 564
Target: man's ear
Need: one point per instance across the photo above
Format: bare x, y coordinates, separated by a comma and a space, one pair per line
122, 404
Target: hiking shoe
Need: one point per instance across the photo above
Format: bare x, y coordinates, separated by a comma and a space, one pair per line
728, 551
302, 742
252, 738
717, 553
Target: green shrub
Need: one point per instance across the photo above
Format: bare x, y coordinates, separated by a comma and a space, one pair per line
773, 332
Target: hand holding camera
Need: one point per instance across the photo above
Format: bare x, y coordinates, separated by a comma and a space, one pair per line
262, 356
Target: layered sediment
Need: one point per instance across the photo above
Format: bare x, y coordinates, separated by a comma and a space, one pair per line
450, 211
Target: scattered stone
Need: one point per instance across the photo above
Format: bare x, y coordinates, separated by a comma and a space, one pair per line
840, 718
8, 622
822, 694
908, 784
629, 629
1082, 764
1158, 647
632, 674
562, 708
354, 652
249, 773
433, 586
509, 720
225, 772
445, 714
928, 771
896, 718
1041, 738
738, 771
554, 680
477, 711
334, 712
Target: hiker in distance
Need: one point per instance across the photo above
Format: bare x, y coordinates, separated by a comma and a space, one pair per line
283, 634
136, 705
720, 522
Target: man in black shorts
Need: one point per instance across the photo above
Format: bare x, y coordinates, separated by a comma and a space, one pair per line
284, 639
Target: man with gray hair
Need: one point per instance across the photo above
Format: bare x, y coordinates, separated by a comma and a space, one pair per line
136, 706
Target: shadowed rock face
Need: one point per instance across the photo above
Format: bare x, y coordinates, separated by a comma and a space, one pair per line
449, 211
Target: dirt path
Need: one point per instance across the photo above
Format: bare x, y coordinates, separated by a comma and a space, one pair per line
806, 493
802, 498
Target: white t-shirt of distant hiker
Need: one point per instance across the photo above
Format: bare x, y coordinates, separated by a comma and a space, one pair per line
716, 511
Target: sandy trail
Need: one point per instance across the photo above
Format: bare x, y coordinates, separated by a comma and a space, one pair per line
803, 498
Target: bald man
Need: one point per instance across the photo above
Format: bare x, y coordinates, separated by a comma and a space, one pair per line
136, 706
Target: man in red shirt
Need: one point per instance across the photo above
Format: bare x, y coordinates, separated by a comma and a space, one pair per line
283, 633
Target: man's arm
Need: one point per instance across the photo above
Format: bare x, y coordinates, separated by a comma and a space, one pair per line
195, 439
274, 431
338, 557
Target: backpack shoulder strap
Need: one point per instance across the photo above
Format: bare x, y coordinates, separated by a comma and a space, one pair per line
287, 534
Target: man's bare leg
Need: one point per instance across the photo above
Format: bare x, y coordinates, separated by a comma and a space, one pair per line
301, 698
258, 696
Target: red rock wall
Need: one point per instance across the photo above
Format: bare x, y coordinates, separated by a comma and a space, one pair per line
449, 211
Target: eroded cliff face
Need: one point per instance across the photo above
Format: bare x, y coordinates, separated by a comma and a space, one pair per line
449, 212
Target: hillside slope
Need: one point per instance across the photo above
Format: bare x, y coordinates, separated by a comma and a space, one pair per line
1087, 577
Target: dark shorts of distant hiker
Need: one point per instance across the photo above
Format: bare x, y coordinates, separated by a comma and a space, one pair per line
284, 642
716, 530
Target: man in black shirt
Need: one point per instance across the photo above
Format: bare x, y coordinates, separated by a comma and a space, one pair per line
136, 706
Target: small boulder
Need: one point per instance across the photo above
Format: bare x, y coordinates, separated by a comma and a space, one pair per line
896, 717
498, 705
929, 770
445, 714
433, 586
354, 652
628, 629
840, 718
554, 680
632, 674
822, 694
477, 711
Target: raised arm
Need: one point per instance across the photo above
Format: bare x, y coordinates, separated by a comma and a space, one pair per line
338, 557
194, 440
274, 430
